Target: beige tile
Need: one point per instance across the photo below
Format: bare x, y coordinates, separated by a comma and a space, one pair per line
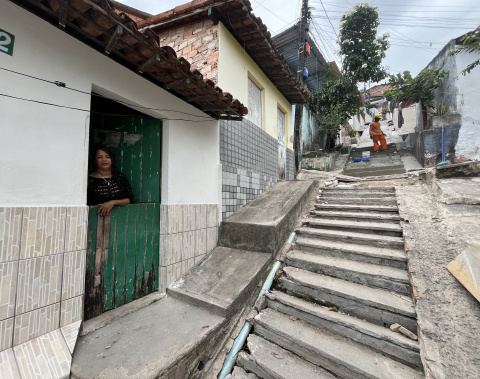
163, 219
190, 217
179, 215
43, 232
71, 311
165, 257
212, 238
212, 215
200, 242
44, 357
73, 274
177, 247
8, 287
10, 232
36, 323
70, 334
6, 334
162, 279
171, 224
177, 271
39, 282
170, 280
76, 228
188, 245
8, 365
200, 216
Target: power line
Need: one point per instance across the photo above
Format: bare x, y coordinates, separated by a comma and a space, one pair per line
326, 14
63, 85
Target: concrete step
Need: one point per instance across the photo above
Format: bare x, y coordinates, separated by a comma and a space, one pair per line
372, 304
352, 237
357, 193
339, 355
371, 275
392, 201
361, 253
360, 189
267, 360
379, 228
373, 209
362, 172
383, 340
358, 216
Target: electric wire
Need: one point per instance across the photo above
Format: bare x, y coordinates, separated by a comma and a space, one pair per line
96, 112
63, 85
326, 14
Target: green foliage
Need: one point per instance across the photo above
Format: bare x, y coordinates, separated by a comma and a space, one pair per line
362, 49
337, 100
352, 133
470, 44
407, 88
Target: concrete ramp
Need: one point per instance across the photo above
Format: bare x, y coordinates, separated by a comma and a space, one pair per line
265, 223
222, 282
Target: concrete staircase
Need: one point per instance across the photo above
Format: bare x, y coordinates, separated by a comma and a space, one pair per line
343, 285
386, 162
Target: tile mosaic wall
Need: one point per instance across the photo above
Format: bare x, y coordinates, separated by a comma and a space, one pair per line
42, 270
187, 233
249, 163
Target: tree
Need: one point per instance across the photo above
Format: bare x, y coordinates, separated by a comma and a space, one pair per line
420, 88
363, 51
470, 44
337, 100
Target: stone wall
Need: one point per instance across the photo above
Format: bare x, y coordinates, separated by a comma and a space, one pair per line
197, 43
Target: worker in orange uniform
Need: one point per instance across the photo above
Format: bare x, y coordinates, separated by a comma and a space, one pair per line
377, 135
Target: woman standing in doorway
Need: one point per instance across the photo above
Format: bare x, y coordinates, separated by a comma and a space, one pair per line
107, 187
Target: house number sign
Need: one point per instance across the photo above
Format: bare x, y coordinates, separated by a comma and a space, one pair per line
6, 42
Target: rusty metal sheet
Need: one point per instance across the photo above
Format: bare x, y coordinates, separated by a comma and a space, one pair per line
466, 268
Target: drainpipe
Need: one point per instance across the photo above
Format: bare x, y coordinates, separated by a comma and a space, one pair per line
242, 336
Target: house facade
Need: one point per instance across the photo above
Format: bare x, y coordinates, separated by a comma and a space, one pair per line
232, 48
75, 78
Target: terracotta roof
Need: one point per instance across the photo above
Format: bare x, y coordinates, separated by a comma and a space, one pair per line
96, 23
249, 31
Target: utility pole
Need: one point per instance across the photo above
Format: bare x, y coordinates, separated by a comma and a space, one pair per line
297, 130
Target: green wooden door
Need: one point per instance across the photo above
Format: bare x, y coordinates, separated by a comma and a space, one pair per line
123, 248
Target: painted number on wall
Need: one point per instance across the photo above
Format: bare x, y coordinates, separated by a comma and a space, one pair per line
6, 42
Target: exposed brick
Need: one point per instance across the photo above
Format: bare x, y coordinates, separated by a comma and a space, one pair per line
182, 45
178, 40
186, 50
192, 54
212, 58
187, 35
207, 38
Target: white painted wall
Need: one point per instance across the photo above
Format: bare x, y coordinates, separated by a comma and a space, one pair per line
44, 149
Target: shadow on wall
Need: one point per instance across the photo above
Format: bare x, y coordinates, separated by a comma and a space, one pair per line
428, 146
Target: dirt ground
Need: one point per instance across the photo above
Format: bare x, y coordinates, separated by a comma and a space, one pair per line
449, 316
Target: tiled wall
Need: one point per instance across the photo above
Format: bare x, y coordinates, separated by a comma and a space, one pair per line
249, 158
187, 233
42, 270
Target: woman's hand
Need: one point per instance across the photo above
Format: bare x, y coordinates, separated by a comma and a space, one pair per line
105, 208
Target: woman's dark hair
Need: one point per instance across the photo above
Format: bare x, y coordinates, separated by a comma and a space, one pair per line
112, 157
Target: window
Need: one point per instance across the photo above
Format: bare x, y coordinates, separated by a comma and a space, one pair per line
255, 107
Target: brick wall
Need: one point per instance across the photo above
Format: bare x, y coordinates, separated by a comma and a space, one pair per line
197, 43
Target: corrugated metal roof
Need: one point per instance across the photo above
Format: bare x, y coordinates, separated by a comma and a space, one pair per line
288, 44
96, 23
248, 30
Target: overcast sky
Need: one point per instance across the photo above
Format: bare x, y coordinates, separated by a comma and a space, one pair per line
418, 28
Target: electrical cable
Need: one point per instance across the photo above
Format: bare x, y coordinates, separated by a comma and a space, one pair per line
63, 85
95, 112
326, 14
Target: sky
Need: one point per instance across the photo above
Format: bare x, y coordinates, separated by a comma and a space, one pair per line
418, 29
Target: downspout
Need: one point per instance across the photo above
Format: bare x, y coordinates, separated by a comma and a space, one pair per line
242, 336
